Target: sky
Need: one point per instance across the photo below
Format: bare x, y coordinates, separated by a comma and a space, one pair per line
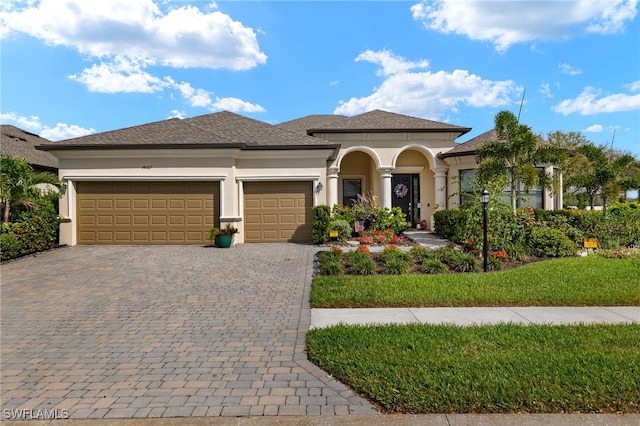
74, 67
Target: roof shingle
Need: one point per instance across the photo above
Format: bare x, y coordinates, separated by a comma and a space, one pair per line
21, 144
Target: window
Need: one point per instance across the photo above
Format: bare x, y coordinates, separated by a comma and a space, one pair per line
467, 185
351, 188
532, 198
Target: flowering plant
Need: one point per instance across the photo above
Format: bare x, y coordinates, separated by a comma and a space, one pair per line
227, 230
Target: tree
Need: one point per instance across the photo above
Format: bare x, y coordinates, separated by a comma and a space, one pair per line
18, 184
516, 154
603, 173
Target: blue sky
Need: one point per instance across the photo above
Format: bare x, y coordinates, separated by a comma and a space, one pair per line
73, 67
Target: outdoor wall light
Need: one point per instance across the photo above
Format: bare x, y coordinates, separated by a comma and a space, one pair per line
318, 187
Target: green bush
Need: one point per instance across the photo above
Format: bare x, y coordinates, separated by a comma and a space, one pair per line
460, 261
361, 262
421, 254
447, 222
548, 242
31, 230
433, 266
494, 264
395, 260
321, 216
344, 229
330, 262
372, 216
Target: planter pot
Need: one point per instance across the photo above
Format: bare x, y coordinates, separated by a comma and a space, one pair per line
224, 241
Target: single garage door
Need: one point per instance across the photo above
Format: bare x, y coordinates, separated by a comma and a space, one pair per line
146, 212
277, 211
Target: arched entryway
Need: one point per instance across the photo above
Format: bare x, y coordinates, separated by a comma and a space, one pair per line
357, 176
413, 186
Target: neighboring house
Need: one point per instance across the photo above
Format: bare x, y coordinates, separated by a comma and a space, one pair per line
19, 143
170, 181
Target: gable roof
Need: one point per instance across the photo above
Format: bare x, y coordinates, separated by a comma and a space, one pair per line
471, 146
19, 143
252, 133
218, 130
315, 121
376, 121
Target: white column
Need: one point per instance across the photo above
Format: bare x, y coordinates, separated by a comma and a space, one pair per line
385, 185
441, 186
332, 176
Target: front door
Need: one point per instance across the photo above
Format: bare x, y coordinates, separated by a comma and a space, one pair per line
405, 190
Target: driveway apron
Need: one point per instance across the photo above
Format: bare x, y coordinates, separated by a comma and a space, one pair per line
163, 331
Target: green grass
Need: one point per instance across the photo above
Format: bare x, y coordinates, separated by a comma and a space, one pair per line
486, 369
587, 281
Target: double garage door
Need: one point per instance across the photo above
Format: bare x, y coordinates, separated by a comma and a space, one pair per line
184, 212
146, 212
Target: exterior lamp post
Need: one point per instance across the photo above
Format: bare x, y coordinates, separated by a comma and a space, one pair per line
484, 199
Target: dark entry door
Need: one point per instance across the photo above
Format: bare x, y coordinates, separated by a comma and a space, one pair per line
405, 190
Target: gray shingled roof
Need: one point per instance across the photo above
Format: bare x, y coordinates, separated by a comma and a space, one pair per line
372, 121
252, 132
315, 121
219, 130
21, 144
471, 146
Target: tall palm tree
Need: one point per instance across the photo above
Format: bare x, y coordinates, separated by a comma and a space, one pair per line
18, 184
516, 154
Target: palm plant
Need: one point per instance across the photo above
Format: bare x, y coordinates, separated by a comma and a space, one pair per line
18, 184
515, 155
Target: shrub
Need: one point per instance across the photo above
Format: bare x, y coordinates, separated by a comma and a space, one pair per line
31, 230
395, 261
343, 227
433, 266
447, 222
547, 242
320, 224
494, 263
421, 254
361, 262
461, 262
331, 262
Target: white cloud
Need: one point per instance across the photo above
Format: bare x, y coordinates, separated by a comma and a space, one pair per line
195, 97
33, 124
634, 87
427, 94
65, 131
175, 113
596, 128
590, 102
505, 23
236, 105
545, 90
121, 76
389, 63
568, 69
183, 37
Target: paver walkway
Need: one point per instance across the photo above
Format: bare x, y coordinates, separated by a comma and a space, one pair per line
163, 331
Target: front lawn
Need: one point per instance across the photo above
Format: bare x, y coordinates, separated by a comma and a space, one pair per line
486, 369
582, 281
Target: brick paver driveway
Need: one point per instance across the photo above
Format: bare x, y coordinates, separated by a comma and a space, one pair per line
163, 331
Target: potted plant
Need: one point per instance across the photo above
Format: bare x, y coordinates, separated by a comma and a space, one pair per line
223, 237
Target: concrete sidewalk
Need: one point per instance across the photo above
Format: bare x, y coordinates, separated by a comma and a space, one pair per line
476, 316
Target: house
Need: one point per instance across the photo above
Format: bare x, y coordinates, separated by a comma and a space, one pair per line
19, 143
169, 182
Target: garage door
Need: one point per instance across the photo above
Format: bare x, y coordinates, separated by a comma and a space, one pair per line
146, 212
277, 211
